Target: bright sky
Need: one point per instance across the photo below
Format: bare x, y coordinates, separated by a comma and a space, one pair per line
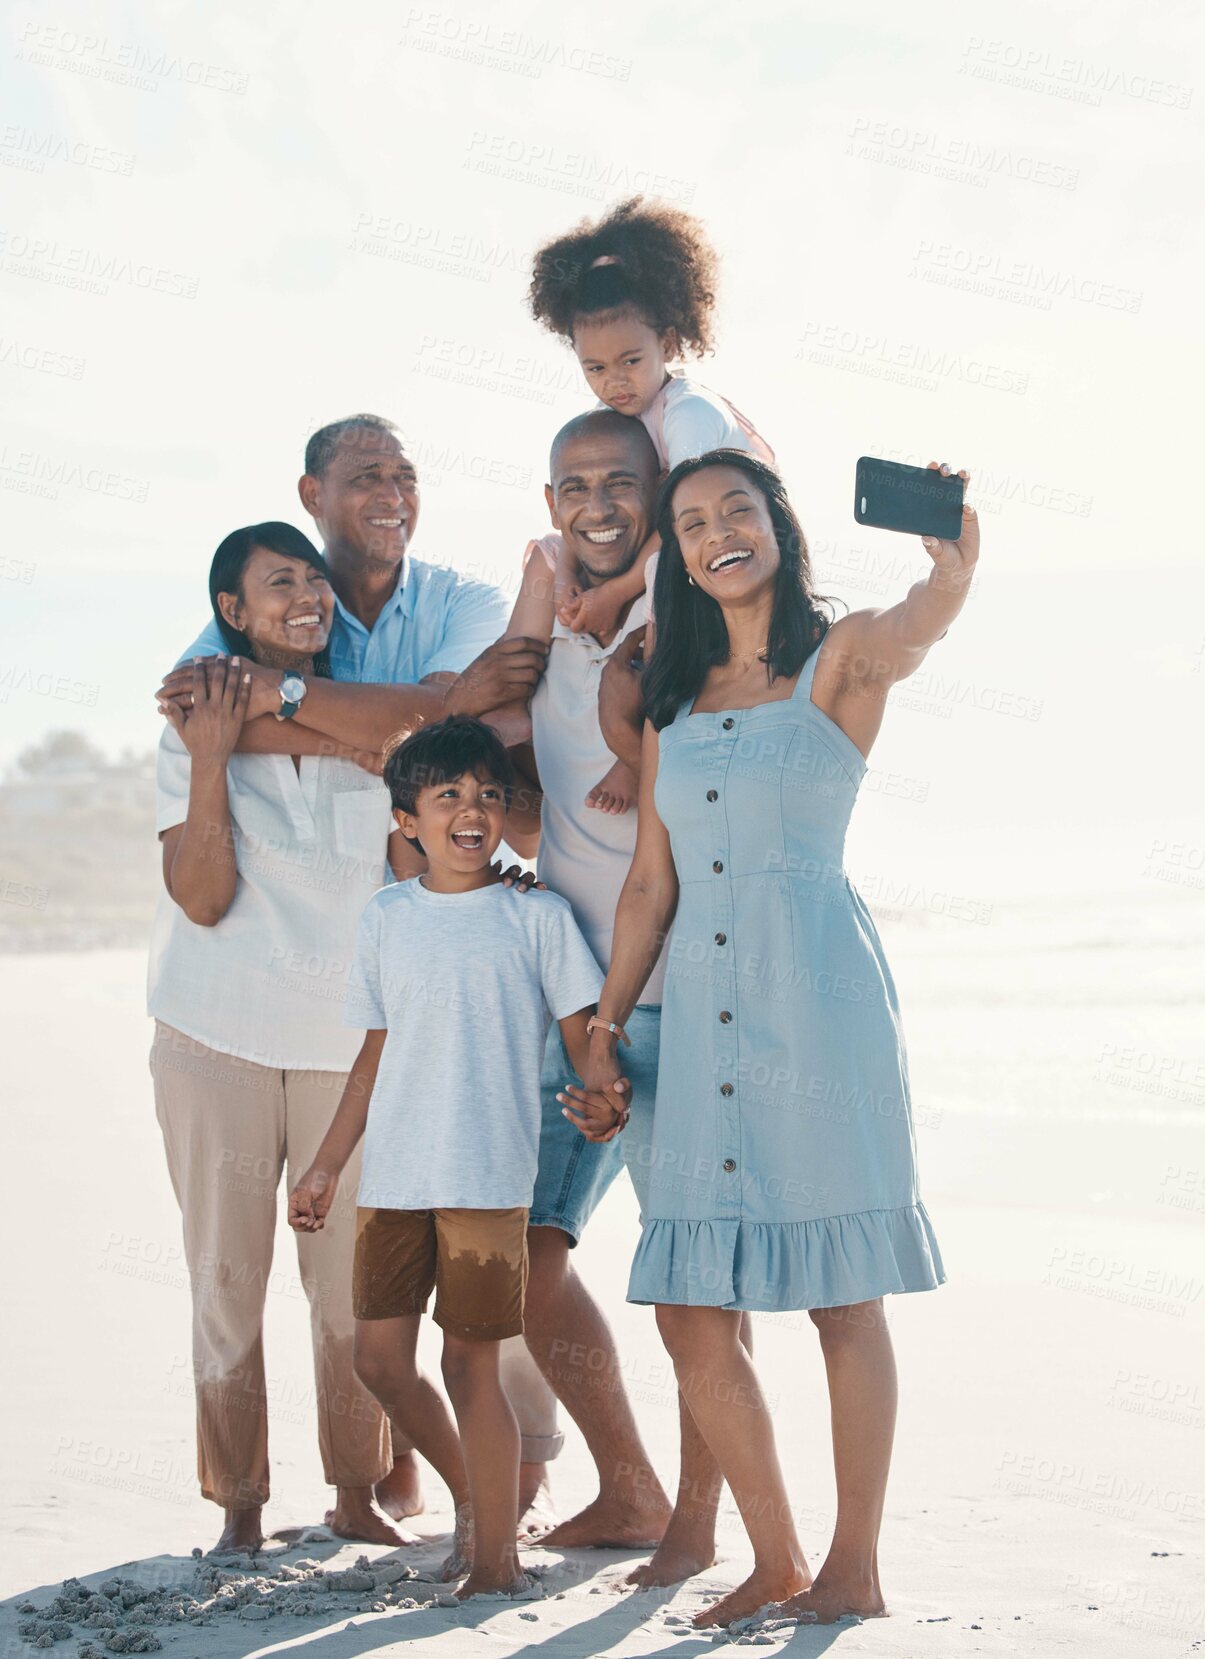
948, 233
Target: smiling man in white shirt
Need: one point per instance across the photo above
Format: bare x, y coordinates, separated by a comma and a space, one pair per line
604, 473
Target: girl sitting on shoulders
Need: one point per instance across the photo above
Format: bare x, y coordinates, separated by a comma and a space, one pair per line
631, 293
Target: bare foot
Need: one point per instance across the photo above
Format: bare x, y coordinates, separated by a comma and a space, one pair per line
242, 1534
614, 1523
762, 1588
616, 791
357, 1515
400, 1494
670, 1564
835, 1594
460, 1560
537, 1512
515, 1583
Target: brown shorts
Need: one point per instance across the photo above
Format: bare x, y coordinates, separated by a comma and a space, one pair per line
476, 1261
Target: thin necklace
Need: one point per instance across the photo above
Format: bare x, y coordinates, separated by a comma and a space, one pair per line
752, 656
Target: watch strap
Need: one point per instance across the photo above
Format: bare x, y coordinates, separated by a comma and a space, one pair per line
607, 1025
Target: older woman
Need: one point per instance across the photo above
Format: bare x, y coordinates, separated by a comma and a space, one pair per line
267, 864
783, 1165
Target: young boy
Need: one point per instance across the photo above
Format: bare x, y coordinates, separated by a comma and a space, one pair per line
455, 980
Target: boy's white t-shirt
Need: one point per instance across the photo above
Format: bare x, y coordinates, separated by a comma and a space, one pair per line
466, 984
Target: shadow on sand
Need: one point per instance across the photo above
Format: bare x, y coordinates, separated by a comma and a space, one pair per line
567, 1623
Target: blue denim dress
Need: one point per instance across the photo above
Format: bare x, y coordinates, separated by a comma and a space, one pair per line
783, 1161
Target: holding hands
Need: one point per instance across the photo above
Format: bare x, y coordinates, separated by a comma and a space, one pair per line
600, 1105
600, 1114
262, 685
311, 1199
218, 697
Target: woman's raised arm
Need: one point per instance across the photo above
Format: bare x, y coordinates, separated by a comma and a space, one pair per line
199, 868
865, 653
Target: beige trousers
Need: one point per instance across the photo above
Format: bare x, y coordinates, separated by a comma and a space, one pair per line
231, 1128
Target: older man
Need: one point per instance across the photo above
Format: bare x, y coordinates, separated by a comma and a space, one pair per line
410, 642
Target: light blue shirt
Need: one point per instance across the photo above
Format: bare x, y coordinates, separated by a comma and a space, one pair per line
466, 986
436, 622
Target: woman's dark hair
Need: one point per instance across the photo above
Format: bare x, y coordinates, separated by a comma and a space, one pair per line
441, 753
691, 634
660, 264
231, 560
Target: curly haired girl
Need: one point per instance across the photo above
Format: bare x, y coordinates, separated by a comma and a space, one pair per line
631, 293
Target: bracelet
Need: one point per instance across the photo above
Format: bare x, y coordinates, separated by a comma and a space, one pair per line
607, 1025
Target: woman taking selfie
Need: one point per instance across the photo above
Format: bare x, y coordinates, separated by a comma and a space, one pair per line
783, 1171
268, 863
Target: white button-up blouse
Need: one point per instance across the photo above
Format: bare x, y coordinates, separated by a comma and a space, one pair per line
267, 983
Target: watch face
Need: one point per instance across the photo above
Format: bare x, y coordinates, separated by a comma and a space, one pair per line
292, 687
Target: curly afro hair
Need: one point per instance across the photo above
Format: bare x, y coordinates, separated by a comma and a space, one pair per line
656, 260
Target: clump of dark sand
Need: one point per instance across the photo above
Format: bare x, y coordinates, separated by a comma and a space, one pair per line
123, 1614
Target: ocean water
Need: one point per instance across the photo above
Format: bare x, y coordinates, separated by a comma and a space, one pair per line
1057, 1054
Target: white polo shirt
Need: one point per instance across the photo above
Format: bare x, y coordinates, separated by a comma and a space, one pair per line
268, 982
584, 854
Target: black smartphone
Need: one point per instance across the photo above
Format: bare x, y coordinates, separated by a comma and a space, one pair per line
917, 500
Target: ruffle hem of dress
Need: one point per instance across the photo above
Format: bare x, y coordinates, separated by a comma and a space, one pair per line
777, 1267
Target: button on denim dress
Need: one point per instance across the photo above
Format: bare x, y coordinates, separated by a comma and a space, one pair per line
783, 1160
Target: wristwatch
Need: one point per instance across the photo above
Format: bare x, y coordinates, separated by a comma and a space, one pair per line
292, 690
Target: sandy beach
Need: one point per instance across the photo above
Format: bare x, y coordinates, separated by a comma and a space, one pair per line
955, 235
1046, 1494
